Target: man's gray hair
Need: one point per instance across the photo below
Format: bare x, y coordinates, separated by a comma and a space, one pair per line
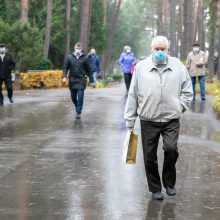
162, 39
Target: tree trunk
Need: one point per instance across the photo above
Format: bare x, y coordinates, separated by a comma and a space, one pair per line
108, 52
67, 24
212, 27
218, 70
104, 5
188, 27
160, 21
84, 24
24, 11
195, 20
173, 46
48, 29
166, 18
201, 28
89, 25
180, 29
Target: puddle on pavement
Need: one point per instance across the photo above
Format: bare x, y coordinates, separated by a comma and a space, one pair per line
198, 106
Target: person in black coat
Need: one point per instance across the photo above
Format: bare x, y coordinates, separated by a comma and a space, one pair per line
7, 64
78, 65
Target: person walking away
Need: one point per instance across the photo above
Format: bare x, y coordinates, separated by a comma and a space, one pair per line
95, 64
7, 64
195, 64
160, 92
126, 60
77, 63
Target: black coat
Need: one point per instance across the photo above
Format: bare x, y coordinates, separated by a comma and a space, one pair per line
6, 66
78, 69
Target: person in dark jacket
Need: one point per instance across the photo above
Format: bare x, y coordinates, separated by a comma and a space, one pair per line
78, 65
7, 64
95, 63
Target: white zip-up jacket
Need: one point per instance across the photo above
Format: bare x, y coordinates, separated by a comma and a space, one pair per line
158, 95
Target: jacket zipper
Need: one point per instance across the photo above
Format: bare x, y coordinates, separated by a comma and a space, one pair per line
160, 73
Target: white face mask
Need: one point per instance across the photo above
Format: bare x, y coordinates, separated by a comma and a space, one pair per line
195, 49
2, 50
78, 52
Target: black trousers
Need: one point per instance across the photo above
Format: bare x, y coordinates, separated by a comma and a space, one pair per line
150, 132
8, 86
127, 78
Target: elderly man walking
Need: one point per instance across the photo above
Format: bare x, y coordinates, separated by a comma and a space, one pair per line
160, 92
195, 64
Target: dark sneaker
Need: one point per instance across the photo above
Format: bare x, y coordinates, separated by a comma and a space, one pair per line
1, 103
11, 100
157, 195
171, 191
78, 116
203, 98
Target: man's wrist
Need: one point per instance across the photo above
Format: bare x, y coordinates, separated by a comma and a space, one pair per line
130, 128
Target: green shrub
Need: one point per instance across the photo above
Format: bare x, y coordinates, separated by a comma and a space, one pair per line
113, 77
24, 42
117, 76
108, 77
216, 104
184, 61
45, 65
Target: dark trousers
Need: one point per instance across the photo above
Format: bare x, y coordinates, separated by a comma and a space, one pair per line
77, 96
150, 132
127, 78
8, 86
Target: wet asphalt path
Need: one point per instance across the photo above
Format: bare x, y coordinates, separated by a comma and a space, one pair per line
54, 167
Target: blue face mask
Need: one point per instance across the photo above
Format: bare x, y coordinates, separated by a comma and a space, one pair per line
159, 56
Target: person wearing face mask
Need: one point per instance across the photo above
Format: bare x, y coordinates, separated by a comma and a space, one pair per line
195, 64
7, 64
160, 92
126, 61
78, 66
95, 64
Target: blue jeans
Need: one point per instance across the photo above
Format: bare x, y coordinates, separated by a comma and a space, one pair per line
201, 84
77, 96
94, 76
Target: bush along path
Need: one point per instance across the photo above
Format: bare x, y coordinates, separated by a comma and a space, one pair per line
213, 89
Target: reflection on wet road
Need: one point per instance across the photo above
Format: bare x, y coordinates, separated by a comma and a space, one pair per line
54, 167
